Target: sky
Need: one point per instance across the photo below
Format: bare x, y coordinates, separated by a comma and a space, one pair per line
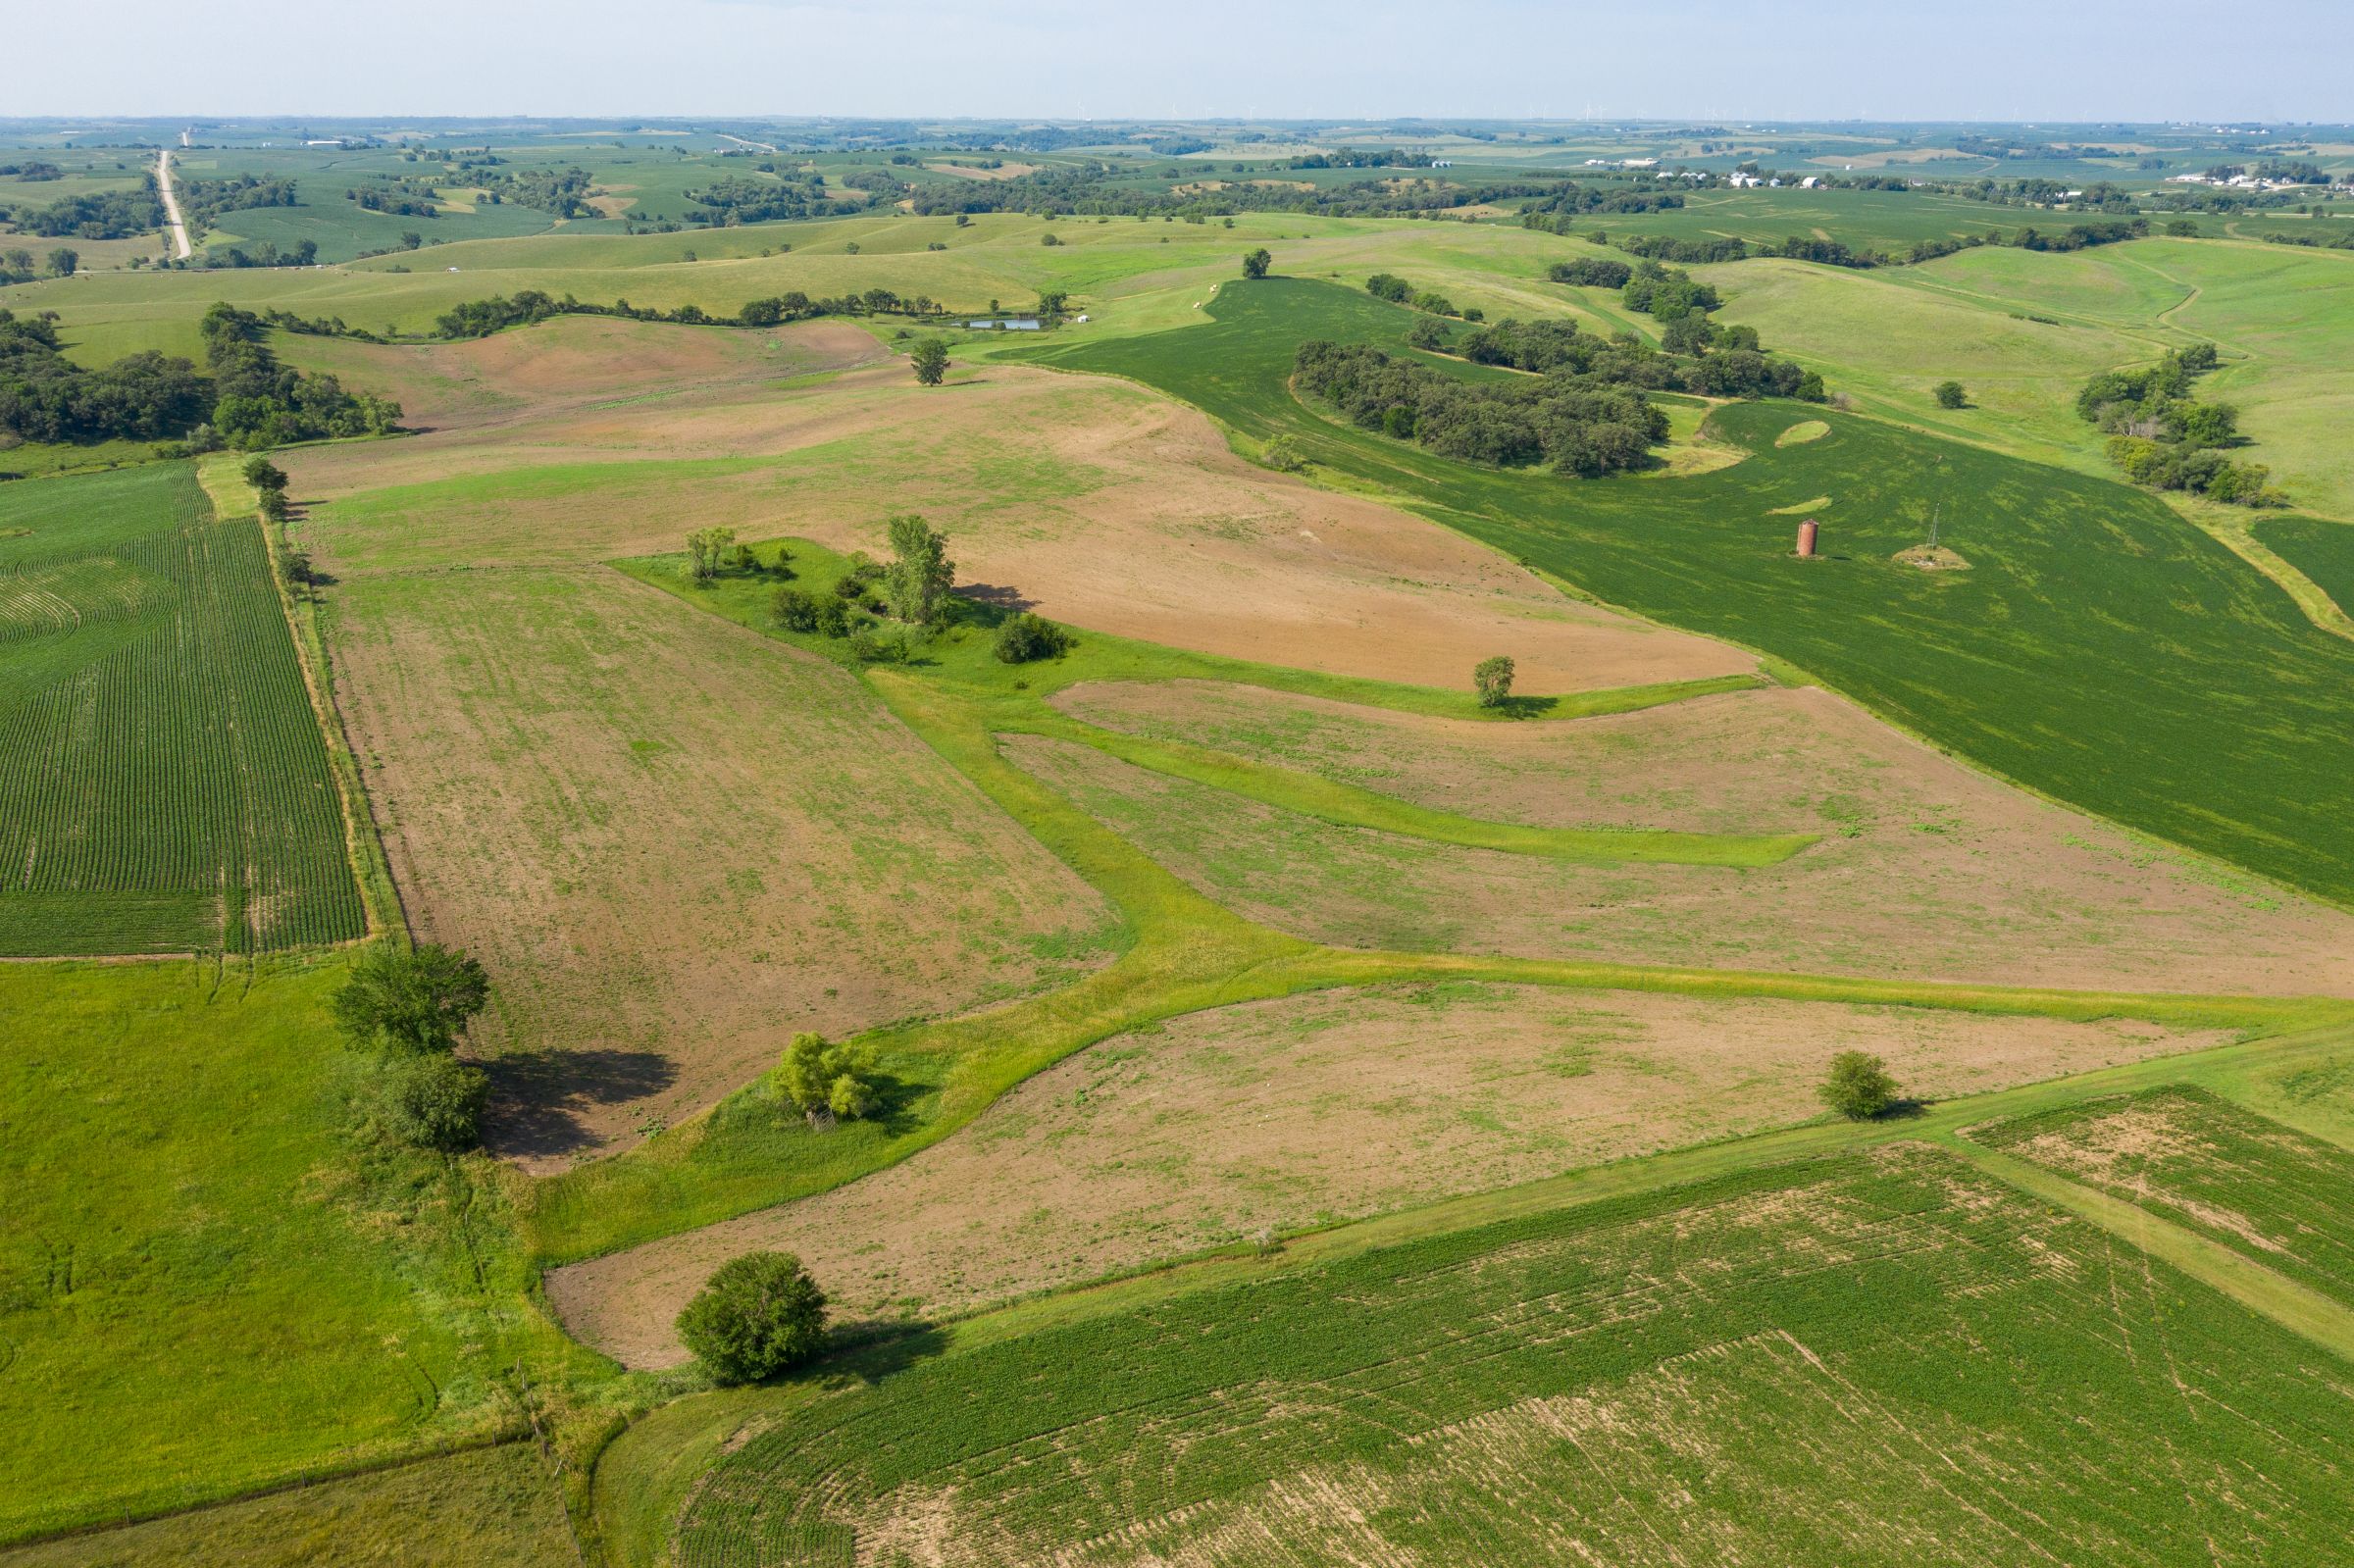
2002, 60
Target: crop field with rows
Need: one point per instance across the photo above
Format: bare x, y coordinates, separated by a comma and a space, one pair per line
1857, 1360
164, 787
2261, 1188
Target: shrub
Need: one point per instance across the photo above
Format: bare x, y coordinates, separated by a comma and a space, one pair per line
759, 1315
435, 1103
824, 1079
1494, 680
1282, 454
1389, 286
870, 646
416, 1001
833, 617
1859, 1086
1949, 395
1026, 636
794, 609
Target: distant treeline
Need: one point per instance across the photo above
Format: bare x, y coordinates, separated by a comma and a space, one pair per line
249, 399
739, 200
1831, 253
481, 317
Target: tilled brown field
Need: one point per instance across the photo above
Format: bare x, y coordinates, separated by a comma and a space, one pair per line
674, 842
1316, 1107
1925, 869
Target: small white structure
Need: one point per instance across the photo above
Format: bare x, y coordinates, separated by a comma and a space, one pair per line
1811, 182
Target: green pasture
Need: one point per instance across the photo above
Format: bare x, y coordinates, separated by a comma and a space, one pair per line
164, 785
2036, 662
211, 1279
1828, 1362
495, 1504
2283, 316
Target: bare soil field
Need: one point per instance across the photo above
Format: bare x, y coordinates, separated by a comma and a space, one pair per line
1312, 1109
1093, 502
1925, 869
673, 843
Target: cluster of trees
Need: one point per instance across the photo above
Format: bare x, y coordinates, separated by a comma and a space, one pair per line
17, 265
1577, 425
108, 215
740, 200
259, 402
302, 253
561, 191
1103, 190
1591, 271
2164, 438
32, 170
912, 588
1700, 356
1668, 294
203, 201
47, 398
1398, 291
393, 202
410, 1008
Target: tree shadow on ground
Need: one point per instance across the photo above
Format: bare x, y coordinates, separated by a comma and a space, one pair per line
535, 1096
870, 1351
1003, 598
1527, 707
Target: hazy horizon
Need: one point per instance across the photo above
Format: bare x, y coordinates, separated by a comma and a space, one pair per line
2005, 61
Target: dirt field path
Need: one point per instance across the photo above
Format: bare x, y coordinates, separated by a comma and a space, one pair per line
178, 227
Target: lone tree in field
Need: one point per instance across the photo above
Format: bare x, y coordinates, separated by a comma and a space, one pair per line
1859, 1086
824, 1079
919, 579
1494, 680
1949, 395
265, 475
759, 1315
1256, 264
931, 359
414, 1001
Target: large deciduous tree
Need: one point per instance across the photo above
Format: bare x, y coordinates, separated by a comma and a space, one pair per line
919, 578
